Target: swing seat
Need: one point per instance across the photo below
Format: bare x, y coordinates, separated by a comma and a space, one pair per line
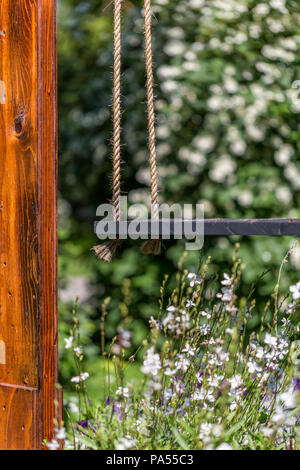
175, 228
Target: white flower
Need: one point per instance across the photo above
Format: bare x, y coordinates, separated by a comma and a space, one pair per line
229, 331
60, 433
245, 198
223, 355
155, 385
189, 350
152, 363
174, 47
267, 432
214, 380
197, 3
206, 314
124, 337
217, 430
215, 103
204, 330
295, 256
125, 443
291, 308
279, 416
169, 372
194, 279
283, 155
68, 445
288, 398
227, 280
275, 26
283, 194
204, 143
253, 367
224, 446
226, 295
262, 9
260, 352
289, 43
238, 147
185, 319
279, 5
170, 86
205, 429
171, 309
222, 168
176, 322
69, 342
255, 30
230, 85
235, 381
277, 53
296, 291
80, 378
291, 173
167, 71
190, 303
233, 406
270, 340
77, 350
183, 363
198, 395
53, 445
73, 405
176, 33
122, 392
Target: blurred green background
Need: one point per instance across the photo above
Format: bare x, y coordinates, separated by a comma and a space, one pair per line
227, 136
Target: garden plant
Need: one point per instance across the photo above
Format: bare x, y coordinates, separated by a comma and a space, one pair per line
206, 381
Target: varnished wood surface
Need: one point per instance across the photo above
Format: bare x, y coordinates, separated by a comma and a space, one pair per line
28, 322
17, 423
18, 193
47, 221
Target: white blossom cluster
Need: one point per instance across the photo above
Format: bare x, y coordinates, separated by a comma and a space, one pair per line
199, 363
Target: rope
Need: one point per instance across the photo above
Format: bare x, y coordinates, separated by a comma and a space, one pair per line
150, 106
106, 250
116, 182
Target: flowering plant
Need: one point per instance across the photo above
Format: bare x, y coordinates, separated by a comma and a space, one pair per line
208, 380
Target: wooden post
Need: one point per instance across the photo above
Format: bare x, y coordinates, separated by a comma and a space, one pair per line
28, 240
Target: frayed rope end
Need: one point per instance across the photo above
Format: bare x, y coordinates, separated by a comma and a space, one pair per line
151, 247
106, 250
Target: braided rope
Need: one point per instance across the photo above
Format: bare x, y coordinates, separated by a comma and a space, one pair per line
106, 250
116, 182
150, 105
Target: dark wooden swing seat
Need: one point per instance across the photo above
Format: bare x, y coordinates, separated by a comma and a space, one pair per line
210, 227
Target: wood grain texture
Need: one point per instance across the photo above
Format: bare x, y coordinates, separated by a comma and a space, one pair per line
47, 221
18, 193
17, 424
28, 311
